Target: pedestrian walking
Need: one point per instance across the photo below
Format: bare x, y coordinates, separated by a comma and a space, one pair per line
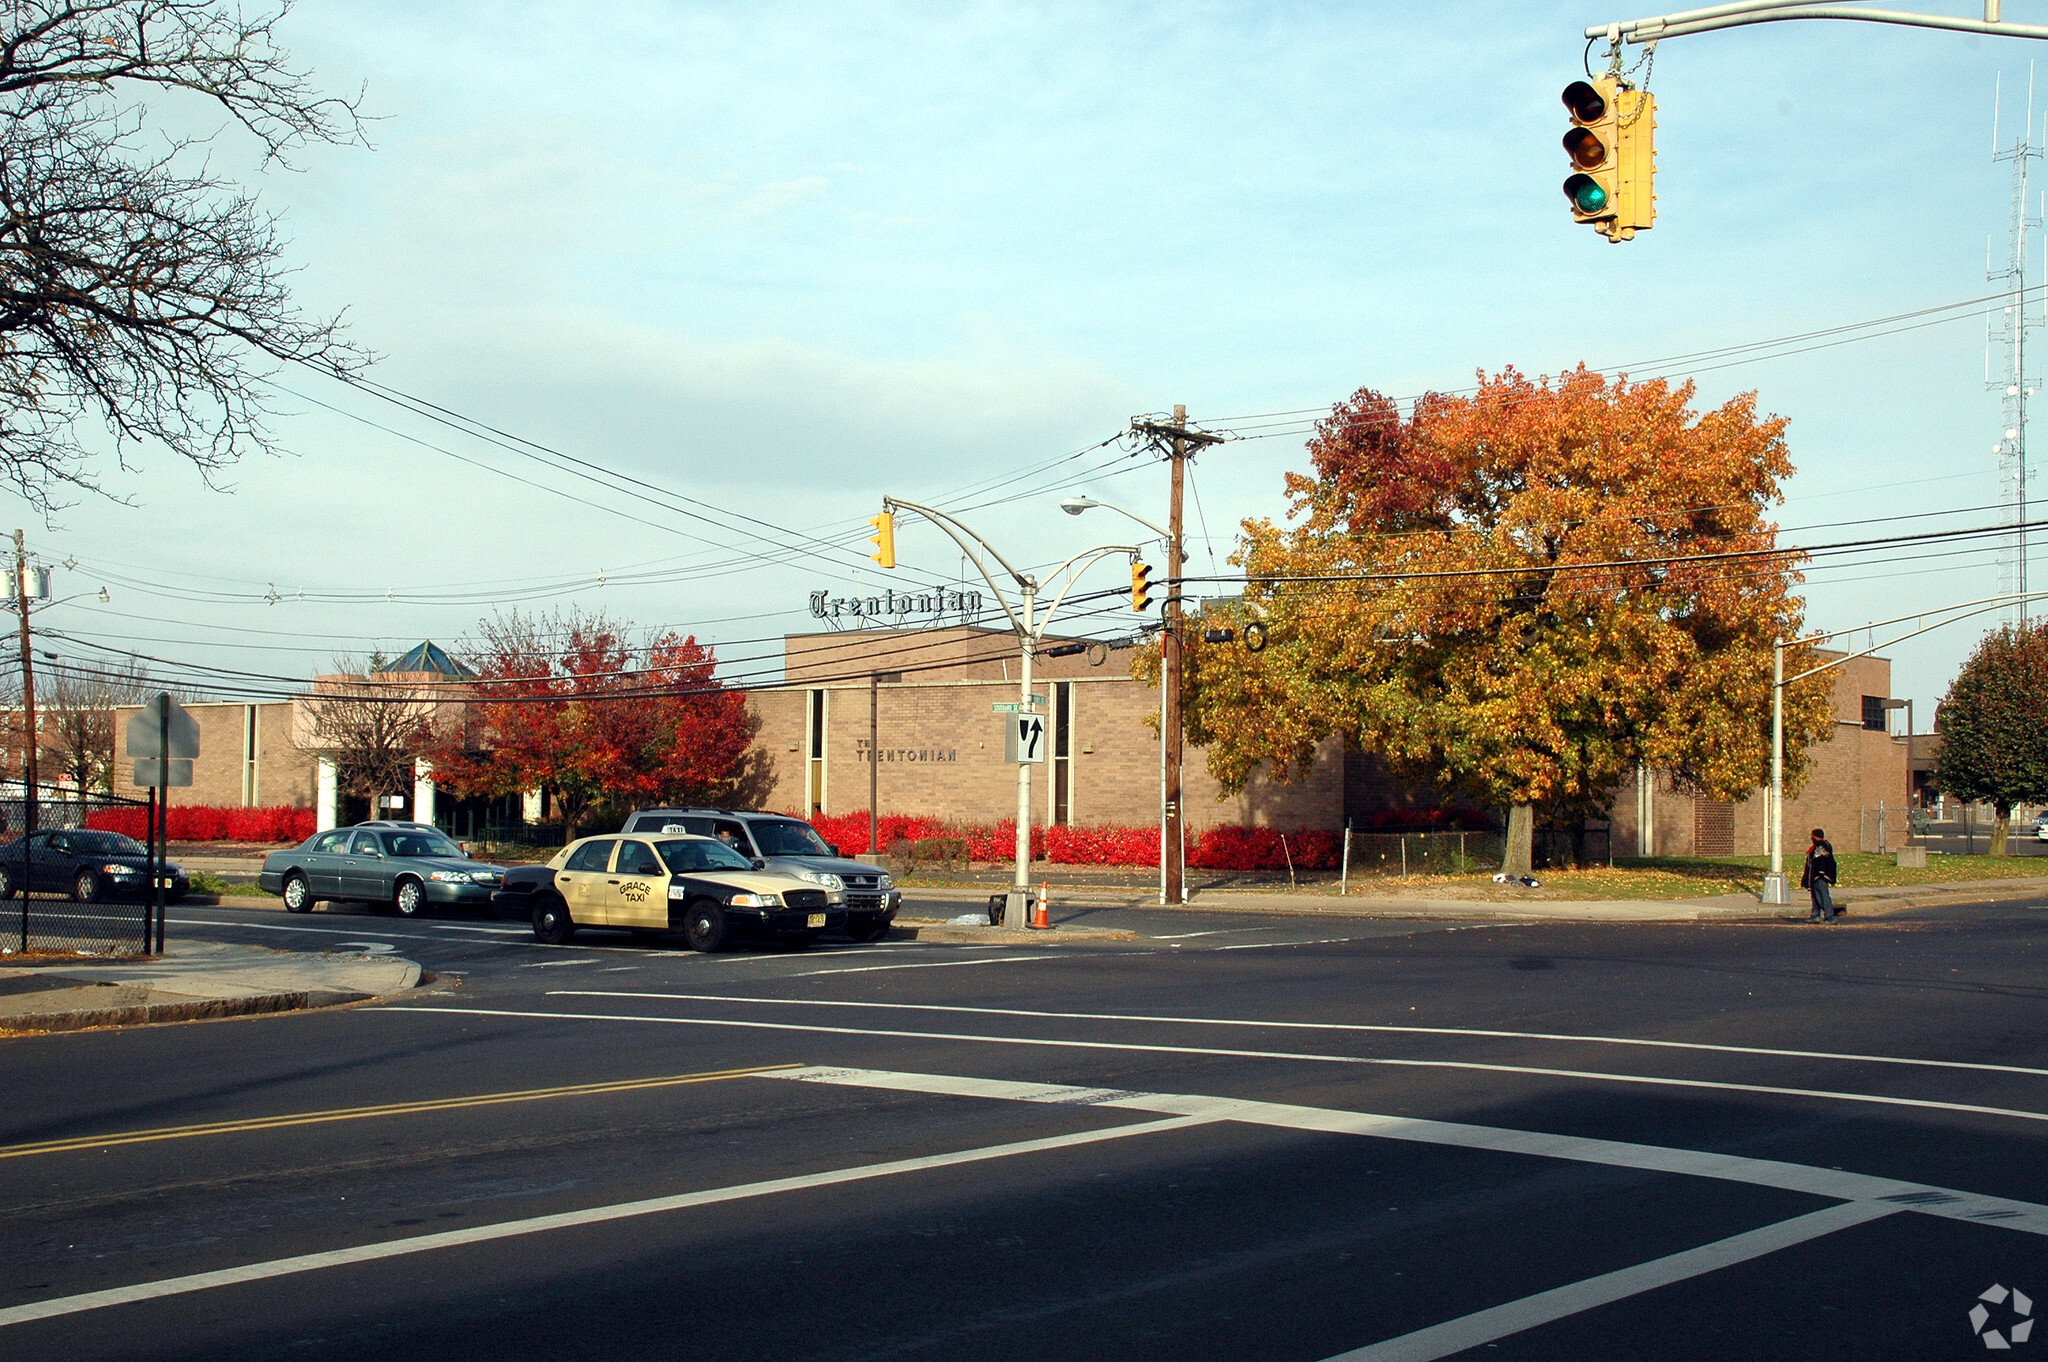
1818, 877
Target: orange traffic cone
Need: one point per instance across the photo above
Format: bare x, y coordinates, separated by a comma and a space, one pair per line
1041, 912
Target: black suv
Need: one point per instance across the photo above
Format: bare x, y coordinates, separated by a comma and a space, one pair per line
789, 846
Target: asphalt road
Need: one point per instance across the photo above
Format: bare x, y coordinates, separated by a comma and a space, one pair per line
1235, 1137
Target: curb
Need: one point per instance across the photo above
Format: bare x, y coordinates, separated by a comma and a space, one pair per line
201, 1009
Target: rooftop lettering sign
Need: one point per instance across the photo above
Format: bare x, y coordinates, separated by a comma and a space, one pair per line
896, 604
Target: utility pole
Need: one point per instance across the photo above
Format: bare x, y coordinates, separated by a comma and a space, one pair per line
2016, 382
1178, 443
29, 775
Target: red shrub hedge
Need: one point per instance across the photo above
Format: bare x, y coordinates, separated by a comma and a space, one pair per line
1219, 848
204, 823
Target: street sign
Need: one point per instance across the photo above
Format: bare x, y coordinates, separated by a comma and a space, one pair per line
1016, 706
146, 732
149, 773
1024, 739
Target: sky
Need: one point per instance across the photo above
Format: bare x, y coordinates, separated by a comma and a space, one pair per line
785, 259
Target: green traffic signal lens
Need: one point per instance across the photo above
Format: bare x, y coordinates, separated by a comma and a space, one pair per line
1587, 194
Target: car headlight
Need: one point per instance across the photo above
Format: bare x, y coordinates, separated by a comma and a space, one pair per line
756, 900
835, 896
886, 882
112, 868
450, 876
820, 877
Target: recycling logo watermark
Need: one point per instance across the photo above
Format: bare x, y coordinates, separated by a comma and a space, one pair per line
2014, 1322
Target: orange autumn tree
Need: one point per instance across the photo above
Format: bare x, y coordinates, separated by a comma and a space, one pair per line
570, 703
1520, 594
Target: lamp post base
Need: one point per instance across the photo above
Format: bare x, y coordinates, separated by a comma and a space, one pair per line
1777, 890
1016, 909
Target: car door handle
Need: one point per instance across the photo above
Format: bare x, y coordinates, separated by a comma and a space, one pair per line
611, 881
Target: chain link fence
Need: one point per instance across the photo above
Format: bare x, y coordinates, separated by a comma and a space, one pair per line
48, 920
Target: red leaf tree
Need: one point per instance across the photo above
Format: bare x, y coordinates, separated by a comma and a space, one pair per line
570, 704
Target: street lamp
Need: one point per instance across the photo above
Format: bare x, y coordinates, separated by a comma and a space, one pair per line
1029, 623
1172, 828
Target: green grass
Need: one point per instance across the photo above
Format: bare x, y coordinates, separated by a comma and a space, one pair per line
1670, 877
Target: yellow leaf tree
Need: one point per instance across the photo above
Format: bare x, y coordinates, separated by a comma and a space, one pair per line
1520, 593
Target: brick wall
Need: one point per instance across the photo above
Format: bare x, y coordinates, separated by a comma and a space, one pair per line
284, 774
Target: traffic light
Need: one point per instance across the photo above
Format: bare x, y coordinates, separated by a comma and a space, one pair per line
1612, 146
1141, 585
884, 539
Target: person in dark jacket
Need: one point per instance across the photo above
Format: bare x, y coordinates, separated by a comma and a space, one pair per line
1818, 877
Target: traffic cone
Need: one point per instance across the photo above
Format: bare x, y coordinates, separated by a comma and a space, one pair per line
1041, 912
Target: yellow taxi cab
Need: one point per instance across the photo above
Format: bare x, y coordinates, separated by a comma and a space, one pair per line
698, 886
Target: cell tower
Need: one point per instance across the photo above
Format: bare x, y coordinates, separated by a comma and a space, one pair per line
2016, 383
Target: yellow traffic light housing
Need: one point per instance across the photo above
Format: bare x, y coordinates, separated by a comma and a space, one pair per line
1141, 585
884, 538
1612, 146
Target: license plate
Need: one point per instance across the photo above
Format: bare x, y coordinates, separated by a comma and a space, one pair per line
815, 920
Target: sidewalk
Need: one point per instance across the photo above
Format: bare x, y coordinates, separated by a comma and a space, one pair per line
193, 980
1716, 908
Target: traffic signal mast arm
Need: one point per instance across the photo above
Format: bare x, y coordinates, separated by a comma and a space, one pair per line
1714, 17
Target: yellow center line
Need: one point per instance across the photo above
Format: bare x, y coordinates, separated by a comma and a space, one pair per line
312, 1118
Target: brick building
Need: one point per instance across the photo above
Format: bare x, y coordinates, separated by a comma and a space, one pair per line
248, 757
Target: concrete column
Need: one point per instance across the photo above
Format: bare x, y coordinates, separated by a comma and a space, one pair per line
326, 798
529, 806
422, 790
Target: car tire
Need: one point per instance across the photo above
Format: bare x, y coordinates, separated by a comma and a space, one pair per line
797, 941
298, 898
6, 883
704, 927
410, 898
867, 929
552, 924
86, 888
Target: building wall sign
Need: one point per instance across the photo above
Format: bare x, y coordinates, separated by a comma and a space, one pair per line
860, 750
896, 604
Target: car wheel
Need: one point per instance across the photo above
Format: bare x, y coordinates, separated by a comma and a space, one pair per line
411, 899
704, 926
798, 941
297, 897
552, 924
868, 928
6, 884
85, 888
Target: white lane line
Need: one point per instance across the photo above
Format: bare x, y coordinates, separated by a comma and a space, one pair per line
595, 1215
936, 964
1485, 1326
1275, 945
1972, 1207
556, 964
1338, 1026
363, 924
1220, 931
1586, 1075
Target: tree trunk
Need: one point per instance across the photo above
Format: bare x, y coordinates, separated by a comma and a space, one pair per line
1999, 829
1518, 859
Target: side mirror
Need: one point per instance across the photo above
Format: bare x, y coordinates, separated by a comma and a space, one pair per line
836, 851
760, 864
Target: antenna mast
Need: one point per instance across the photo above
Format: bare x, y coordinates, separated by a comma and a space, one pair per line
2016, 382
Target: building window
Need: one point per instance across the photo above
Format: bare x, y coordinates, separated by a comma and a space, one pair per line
814, 764
1873, 713
1062, 749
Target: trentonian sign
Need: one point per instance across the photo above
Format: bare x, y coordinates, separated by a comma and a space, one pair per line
896, 605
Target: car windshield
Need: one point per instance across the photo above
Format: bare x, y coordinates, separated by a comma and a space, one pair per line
421, 844
686, 855
787, 837
106, 844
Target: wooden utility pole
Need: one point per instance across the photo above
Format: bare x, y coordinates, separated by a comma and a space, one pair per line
1178, 444
29, 774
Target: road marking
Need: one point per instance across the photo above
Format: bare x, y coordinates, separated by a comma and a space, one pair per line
312, 1118
936, 964
1485, 1326
1587, 1075
1335, 1026
1220, 931
556, 964
1275, 945
356, 930
1971, 1207
595, 1215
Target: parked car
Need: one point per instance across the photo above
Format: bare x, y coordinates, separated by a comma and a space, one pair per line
2041, 828
87, 865
789, 846
409, 866
696, 885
